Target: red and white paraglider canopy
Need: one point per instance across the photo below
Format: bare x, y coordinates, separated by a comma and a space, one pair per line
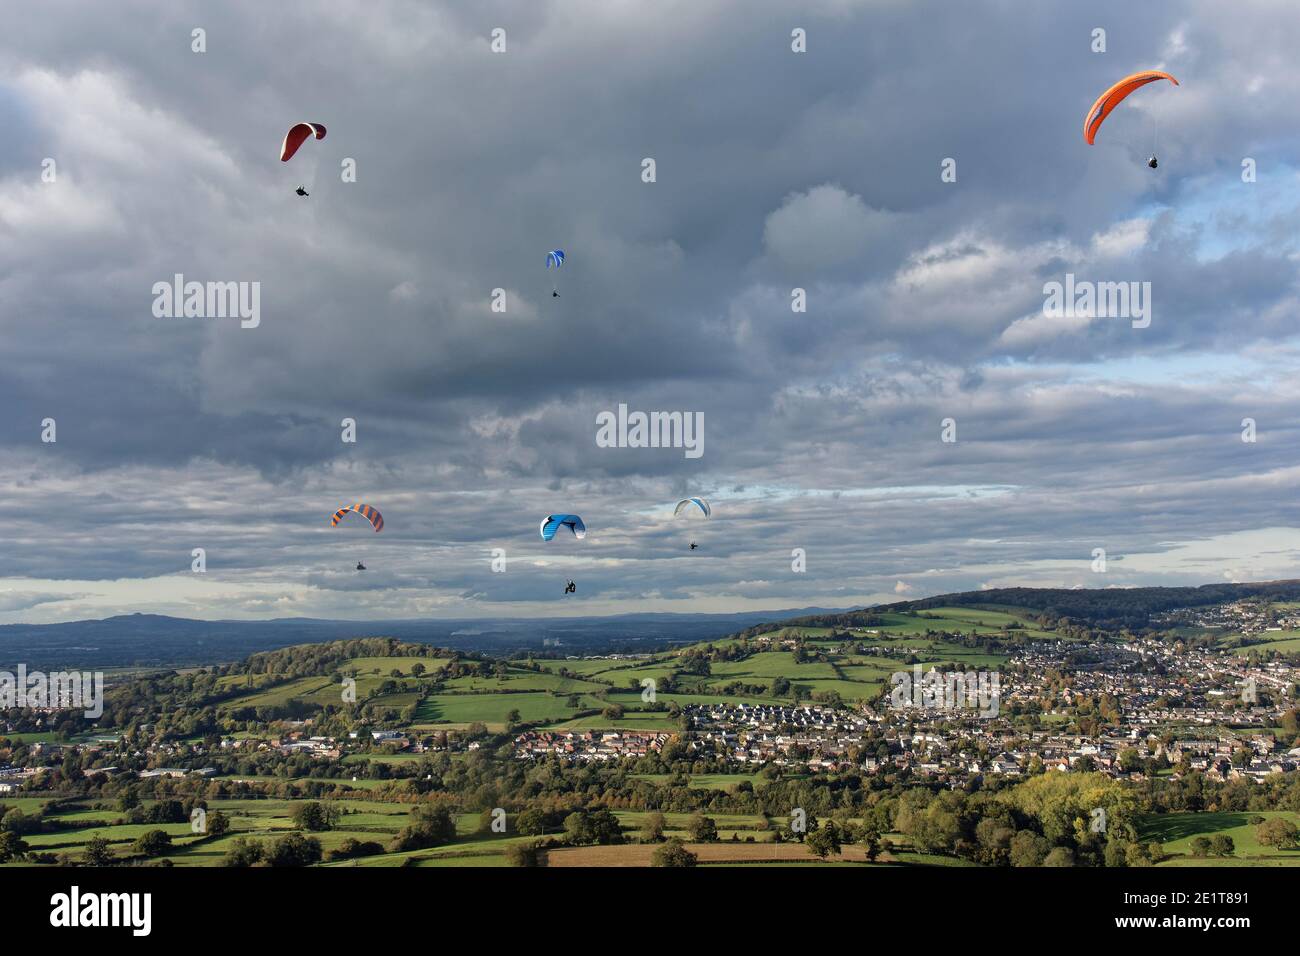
297, 135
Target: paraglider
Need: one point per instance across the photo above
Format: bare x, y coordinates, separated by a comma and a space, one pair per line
1106, 103
298, 134
690, 506
554, 258
553, 523
370, 514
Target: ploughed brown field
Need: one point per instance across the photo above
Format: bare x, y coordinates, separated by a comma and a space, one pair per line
639, 854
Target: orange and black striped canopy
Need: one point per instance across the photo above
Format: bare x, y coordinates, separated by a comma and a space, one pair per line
370, 514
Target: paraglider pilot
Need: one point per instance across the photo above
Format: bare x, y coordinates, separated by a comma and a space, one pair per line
570, 588
302, 191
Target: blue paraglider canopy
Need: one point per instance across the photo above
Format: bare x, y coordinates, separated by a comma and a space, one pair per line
554, 523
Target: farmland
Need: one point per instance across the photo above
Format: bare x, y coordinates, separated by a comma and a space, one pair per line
728, 747
1176, 831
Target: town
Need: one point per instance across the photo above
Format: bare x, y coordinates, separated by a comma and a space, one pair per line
904, 703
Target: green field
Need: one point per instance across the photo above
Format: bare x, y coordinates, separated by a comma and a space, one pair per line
1177, 830
517, 681
1283, 642
542, 694
491, 709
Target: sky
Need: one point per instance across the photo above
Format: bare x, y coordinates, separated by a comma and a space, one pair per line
129, 157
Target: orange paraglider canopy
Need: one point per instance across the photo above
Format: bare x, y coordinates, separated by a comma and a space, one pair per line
1113, 96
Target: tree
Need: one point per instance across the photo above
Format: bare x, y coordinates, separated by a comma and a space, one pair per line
218, 823
1278, 832
153, 843
1060, 856
1221, 845
167, 811
993, 837
824, 841
97, 852
1200, 846
936, 829
314, 816
12, 847
1028, 849
294, 849
1116, 852
243, 852
673, 853
531, 822
353, 847
595, 826
1137, 854
702, 829
652, 830
577, 828
430, 826
522, 854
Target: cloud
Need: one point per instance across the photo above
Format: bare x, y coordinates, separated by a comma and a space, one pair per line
11, 600
775, 169
823, 227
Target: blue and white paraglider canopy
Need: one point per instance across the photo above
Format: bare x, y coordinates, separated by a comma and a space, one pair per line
554, 523
555, 258
686, 503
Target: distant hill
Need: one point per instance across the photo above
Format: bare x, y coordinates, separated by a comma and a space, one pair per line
152, 640
1110, 608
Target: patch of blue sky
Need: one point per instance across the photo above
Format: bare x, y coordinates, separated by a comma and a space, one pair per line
1229, 215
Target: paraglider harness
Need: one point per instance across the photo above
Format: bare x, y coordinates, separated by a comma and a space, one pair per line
360, 566
302, 191
570, 588
694, 545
